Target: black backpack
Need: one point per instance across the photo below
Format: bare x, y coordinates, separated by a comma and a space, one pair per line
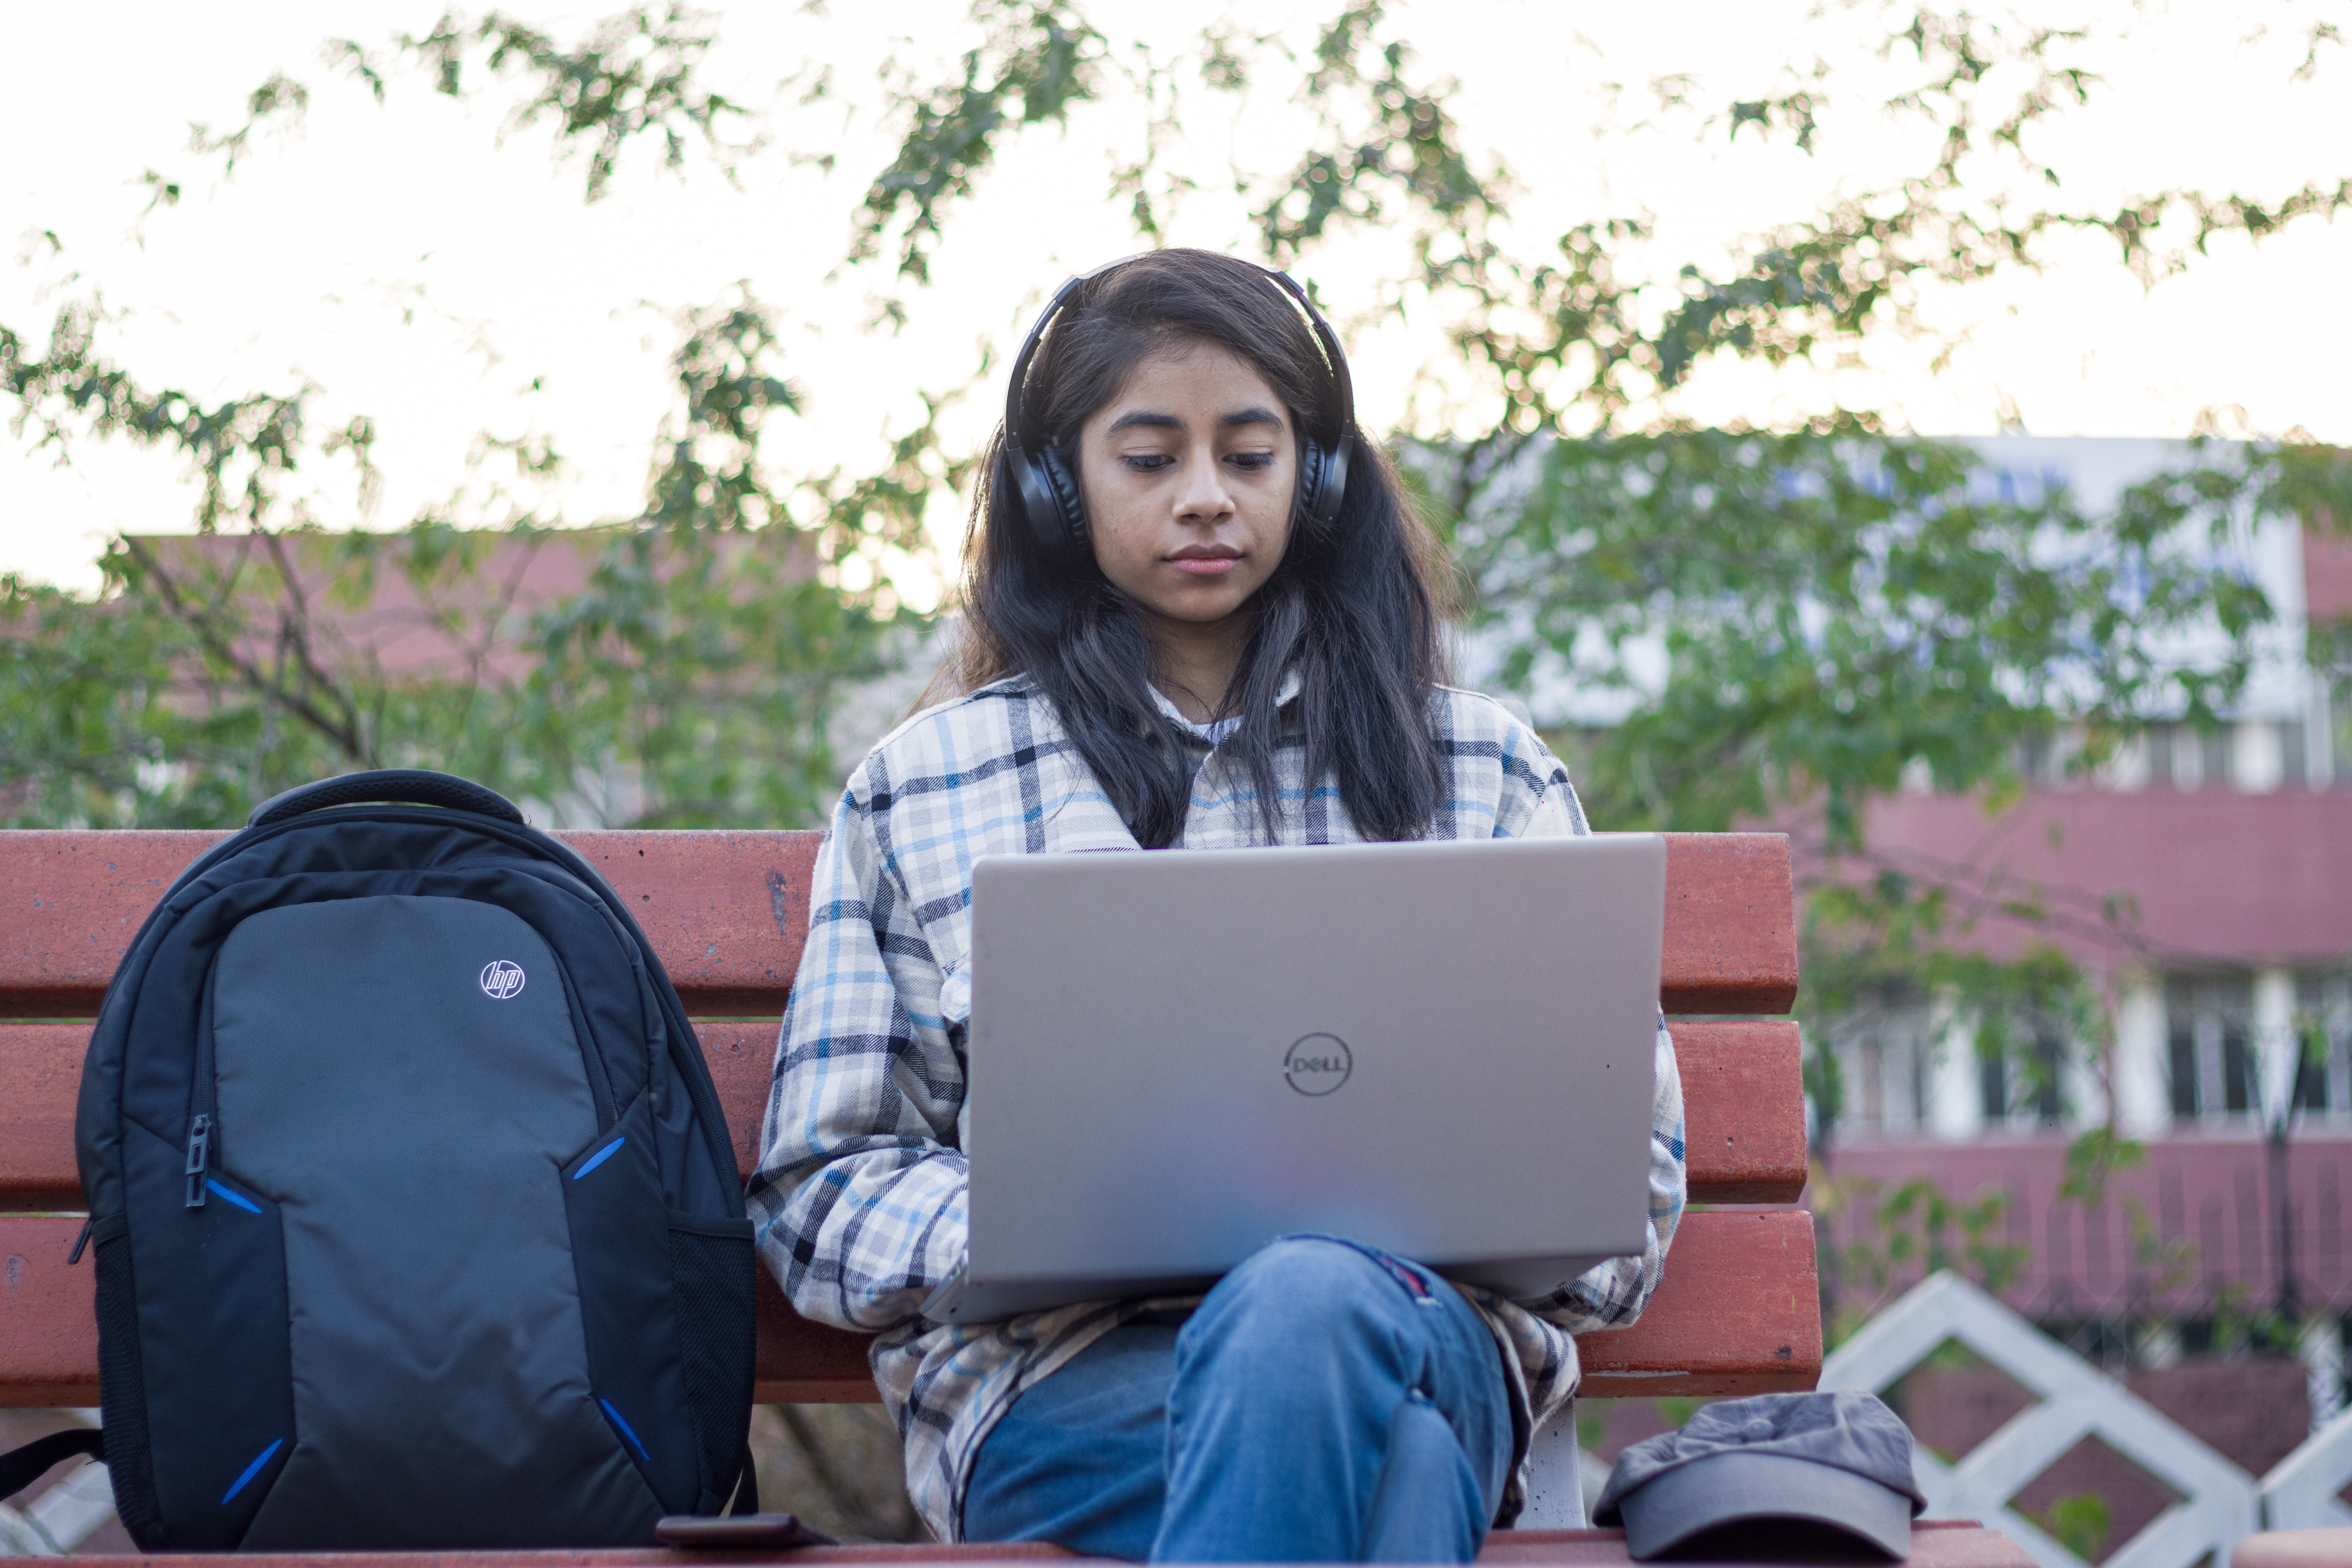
417, 1223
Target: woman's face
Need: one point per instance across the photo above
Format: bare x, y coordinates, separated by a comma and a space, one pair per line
1188, 472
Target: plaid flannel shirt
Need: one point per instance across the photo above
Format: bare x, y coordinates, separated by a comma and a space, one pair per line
859, 1198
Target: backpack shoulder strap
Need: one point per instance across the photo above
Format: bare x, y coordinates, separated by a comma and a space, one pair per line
20, 1468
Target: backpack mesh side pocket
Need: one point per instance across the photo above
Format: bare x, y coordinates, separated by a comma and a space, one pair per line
122, 1394
713, 1272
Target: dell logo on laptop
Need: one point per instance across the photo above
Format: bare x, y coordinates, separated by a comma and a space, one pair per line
1317, 1064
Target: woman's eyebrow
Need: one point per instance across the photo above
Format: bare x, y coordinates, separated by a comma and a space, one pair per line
1169, 422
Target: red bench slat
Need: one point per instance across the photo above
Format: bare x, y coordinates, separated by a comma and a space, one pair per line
727, 911
40, 1078
1737, 1313
1743, 1106
1743, 1111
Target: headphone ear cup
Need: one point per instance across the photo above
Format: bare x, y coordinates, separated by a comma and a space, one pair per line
1069, 501
1050, 499
1322, 485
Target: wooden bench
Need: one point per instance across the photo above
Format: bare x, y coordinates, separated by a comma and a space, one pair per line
1737, 1313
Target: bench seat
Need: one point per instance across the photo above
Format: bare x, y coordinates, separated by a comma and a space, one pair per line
727, 911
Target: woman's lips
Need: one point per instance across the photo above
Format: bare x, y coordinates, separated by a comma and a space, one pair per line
1205, 565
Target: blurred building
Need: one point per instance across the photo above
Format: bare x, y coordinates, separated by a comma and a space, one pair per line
2204, 880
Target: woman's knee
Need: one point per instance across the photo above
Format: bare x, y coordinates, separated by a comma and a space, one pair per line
1309, 1274
1303, 1293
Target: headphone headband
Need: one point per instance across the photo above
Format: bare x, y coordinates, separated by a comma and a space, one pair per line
1049, 493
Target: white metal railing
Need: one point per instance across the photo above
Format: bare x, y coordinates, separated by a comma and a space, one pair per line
2300, 1492
2220, 1503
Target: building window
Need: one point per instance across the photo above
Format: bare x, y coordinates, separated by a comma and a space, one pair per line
1871, 1084
2323, 1000
2049, 1057
2188, 757
2215, 749
2240, 1089
2209, 1027
2181, 1064
2025, 1087
1882, 1066
1992, 1087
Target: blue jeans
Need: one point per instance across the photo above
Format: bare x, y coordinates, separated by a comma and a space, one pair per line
1325, 1403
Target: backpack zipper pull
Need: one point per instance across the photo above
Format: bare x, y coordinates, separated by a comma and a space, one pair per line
81, 1241
200, 1146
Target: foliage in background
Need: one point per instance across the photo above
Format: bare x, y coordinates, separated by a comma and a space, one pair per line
687, 676
2080, 1522
1792, 621
1798, 618
1880, 1239
1907, 1233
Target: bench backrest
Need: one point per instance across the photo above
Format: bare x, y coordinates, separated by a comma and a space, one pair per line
1738, 1313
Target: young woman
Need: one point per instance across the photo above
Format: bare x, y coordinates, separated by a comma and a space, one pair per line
1198, 615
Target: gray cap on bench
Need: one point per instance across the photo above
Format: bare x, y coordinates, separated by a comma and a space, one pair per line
1842, 1460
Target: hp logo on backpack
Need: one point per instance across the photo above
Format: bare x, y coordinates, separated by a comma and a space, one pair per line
377, 1271
500, 979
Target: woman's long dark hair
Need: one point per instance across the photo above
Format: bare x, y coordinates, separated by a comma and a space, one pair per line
1350, 608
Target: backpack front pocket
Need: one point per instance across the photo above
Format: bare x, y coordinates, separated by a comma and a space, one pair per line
208, 1375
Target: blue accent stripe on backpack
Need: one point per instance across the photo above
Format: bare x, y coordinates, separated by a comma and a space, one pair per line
254, 1469
238, 1198
598, 1158
624, 1426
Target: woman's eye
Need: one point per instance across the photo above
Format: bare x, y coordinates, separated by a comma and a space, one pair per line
1148, 462
1252, 459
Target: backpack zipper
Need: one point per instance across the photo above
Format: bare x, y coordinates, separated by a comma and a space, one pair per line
201, 1091
200, 1148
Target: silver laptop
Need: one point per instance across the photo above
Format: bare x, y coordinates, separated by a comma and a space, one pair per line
1442, 1050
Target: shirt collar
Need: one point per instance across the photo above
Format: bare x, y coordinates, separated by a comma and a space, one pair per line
1215, 734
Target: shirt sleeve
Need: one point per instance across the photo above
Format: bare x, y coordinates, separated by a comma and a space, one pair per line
1536, 799
1541, 803
859, 1201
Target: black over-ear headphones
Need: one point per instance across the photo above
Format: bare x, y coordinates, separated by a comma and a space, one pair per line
1049, 493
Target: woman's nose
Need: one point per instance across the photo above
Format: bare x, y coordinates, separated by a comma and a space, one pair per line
1202, 496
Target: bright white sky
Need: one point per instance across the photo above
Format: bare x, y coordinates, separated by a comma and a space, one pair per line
416, 269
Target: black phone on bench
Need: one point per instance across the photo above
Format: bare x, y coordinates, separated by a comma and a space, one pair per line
738, 1529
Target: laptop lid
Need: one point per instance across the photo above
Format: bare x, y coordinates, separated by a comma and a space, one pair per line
1443, 1050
